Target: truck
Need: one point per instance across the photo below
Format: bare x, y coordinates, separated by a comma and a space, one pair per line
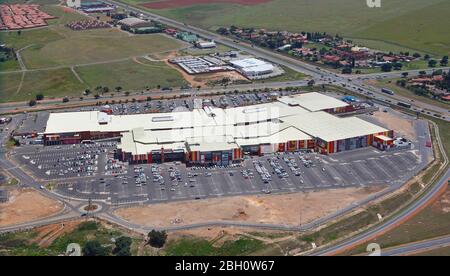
387, 91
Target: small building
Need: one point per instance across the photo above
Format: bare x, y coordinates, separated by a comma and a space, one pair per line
74, 4
188, 37
383, 142
251, 67
133, 22
206, 44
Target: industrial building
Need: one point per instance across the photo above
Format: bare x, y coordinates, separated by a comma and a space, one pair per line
96, 7
200, 65
218, 136
134, 22
251, 67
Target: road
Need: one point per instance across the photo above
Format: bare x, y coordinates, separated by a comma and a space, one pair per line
417, 247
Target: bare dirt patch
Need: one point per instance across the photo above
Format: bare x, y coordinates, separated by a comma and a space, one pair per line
25, 206
287, 209
46, 235
397, 123
170, 4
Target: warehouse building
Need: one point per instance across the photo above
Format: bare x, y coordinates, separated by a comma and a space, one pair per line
221, 136
252, 67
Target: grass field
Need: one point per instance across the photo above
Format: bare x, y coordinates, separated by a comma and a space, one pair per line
52, 83
199, 247
27, 243
413, 24
60, 46
50, 52
131, 75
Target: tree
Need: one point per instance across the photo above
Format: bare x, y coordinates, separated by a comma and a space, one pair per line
87, 91
123, 246
32, 103
426, 57
397, 66
432, 63
444, 61
347, 70
94, 248
157, 238
39, 97
118, 88
387, 67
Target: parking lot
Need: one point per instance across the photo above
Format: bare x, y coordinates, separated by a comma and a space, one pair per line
68, 161
279, 173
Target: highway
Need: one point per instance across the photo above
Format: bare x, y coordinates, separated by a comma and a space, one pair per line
417, 247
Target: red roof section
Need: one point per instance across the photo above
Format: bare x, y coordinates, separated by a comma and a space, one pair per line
22, 16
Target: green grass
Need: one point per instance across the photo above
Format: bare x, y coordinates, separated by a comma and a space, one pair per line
414, 24
57, 48
290, 75
200, 247
96, 48
19, 244
52, 83
60, 46
423, 29
131, 75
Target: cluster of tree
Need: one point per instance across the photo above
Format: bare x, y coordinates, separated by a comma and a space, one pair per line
6, 54
157, 238
445, 83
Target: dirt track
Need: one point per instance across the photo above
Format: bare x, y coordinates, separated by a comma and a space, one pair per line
273, 209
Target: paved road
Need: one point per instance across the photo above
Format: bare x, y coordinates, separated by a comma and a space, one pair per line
417, 247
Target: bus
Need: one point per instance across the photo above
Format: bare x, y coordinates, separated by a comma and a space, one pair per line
405, 105
387, 91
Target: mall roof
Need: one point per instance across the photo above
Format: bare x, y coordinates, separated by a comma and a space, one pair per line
313, 101
331, 128
289, 119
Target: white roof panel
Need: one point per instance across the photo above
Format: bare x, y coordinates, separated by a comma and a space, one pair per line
313, 101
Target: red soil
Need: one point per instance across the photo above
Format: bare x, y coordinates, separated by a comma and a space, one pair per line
170, 4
